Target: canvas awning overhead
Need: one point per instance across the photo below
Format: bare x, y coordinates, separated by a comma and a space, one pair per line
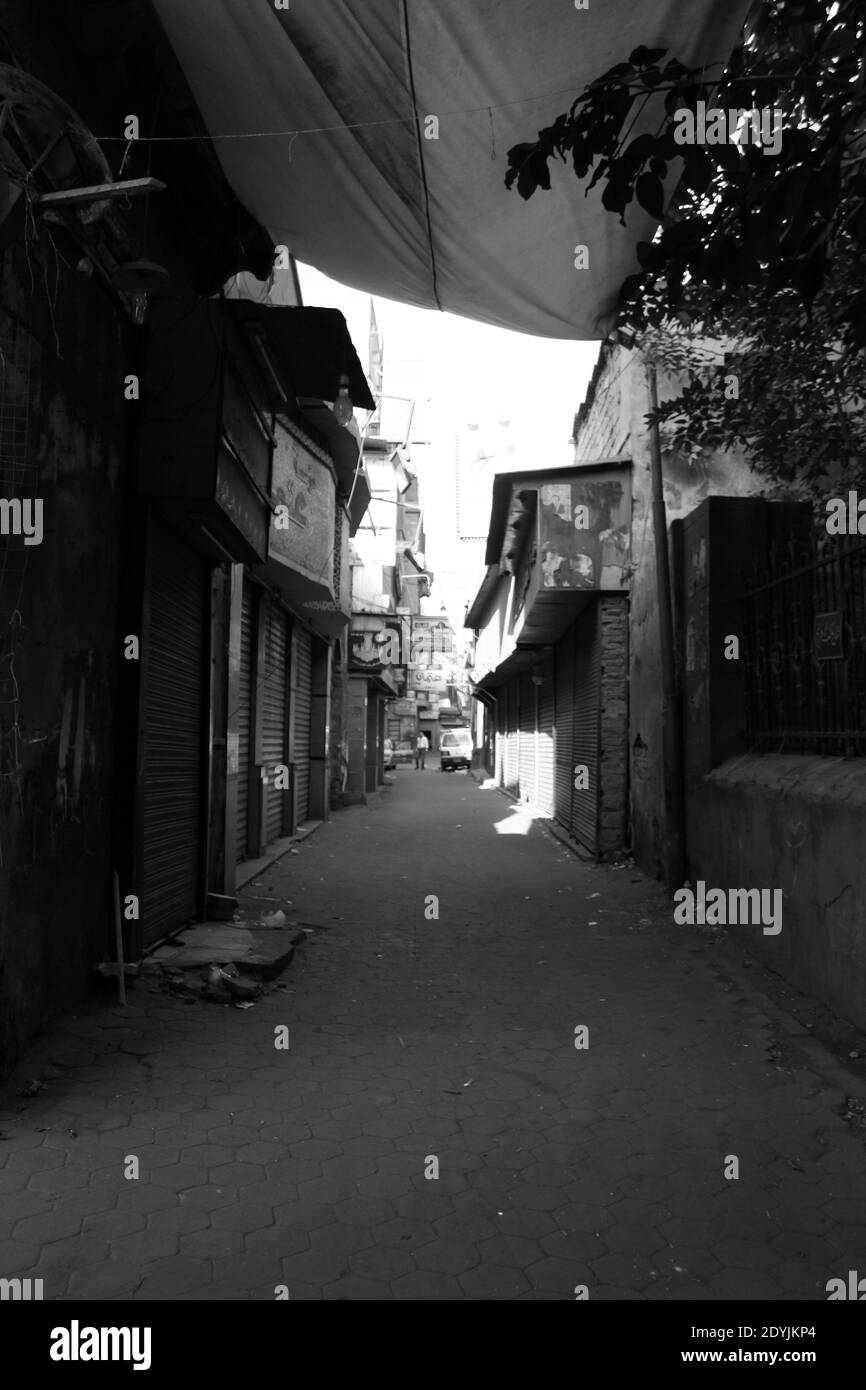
369, 200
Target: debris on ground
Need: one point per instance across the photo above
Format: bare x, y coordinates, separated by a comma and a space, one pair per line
270, 920
225, 983
31, 1088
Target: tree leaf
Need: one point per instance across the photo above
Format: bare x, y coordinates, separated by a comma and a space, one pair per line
650, 194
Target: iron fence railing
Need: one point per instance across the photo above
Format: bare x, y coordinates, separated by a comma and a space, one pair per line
805, 651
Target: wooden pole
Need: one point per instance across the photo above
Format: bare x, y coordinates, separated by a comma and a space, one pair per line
672, 771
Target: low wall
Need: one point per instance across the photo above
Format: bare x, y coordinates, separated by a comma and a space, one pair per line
797, 823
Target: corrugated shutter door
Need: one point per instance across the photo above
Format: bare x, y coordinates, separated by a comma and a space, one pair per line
274, 718
584, 812
527, 738
302, 702
512, 772
546, 742
244, 715
174, 708
501, 736
563, 658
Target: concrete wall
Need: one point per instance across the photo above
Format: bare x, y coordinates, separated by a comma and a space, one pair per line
794, 822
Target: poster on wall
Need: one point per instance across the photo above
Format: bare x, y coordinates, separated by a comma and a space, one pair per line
585, 537
376, 643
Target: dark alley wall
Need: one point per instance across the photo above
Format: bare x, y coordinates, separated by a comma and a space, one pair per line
60, 643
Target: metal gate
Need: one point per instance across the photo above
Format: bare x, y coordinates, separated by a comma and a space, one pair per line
175, 653
546, 763
244, 715
526, 738
275, 719
302, 682
512, 739
585, 749
563, 686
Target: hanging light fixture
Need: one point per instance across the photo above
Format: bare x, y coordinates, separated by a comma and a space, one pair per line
344, 411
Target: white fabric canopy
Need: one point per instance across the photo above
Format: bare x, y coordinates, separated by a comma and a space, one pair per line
429, 221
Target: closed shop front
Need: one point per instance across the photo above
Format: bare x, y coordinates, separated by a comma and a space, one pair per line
526, 738
175, 722
577, 715
563, 659
546, 767
512, 743
301, 705
275, 714
244, 715
585, 748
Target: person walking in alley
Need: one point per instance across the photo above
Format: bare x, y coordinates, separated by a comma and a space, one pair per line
421, 746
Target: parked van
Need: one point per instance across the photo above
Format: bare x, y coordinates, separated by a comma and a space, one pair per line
455, 749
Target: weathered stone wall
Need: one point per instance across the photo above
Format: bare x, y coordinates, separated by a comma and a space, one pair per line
793, 822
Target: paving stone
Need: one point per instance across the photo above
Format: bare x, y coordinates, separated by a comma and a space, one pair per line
447, 1256
555, 1169
106, 1279
493, 1282
404, 1233
341, 1239
426, 1286
382, 1262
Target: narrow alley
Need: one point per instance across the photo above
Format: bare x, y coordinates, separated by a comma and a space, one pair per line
538, 1093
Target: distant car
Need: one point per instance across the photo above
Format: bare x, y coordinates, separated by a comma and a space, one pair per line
404, 752
390, 758
455, 749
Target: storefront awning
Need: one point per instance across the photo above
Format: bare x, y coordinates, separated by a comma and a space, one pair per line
374, 138
311, 347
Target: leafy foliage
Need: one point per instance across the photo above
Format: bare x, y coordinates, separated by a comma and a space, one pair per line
764, 377
743, 216
765, 249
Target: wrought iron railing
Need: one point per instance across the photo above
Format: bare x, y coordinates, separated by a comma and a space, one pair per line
805, 651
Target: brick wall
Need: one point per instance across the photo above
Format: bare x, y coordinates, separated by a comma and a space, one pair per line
613, 798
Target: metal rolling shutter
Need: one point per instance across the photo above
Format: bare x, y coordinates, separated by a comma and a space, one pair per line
275, 718
526, 772
546, 743
301, 706
584, 809
501, 715
173, 742
563, 686
512, 747
244, 715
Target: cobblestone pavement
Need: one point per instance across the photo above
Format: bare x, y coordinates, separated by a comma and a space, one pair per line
413, 1040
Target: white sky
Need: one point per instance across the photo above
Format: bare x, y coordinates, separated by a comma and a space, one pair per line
472, 373
471, 370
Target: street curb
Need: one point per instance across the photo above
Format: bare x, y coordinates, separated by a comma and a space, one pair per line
254, 868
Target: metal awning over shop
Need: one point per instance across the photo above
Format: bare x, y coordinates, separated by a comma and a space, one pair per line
311, 346
373, 139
